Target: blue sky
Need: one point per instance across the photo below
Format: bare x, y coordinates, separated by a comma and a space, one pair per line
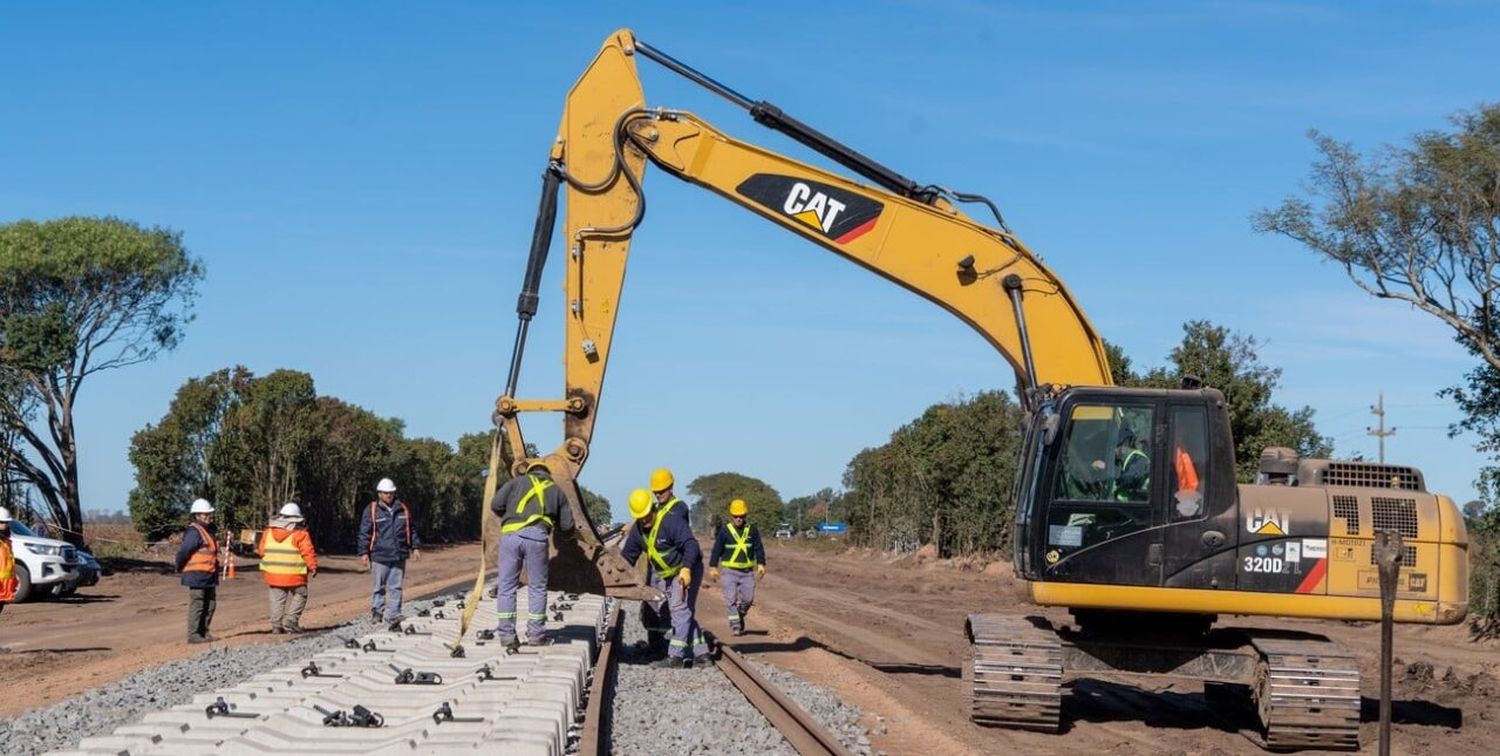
360, 181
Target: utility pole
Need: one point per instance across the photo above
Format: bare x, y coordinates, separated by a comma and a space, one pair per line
1380, 433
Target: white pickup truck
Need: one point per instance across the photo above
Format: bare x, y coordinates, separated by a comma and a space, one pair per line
43, 565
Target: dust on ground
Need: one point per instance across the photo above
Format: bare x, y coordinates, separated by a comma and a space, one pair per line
887, 634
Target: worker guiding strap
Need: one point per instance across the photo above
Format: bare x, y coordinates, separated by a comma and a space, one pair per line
527, 507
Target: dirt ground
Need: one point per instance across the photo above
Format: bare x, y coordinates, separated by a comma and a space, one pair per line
888, 635
132, 620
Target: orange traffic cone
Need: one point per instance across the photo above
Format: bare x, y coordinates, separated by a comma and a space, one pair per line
229, 568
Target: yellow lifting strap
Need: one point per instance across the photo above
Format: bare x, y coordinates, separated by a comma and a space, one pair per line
491, 481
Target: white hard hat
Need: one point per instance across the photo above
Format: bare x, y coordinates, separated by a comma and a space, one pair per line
5, 515
201, 506
291, 511
386, 485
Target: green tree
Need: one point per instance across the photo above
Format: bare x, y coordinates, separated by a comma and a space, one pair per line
1230, 362
1418, 224
79, 296
597, 507
171, 457
943, 479
712, 494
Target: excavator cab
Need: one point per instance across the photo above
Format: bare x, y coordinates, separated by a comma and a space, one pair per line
1128, 487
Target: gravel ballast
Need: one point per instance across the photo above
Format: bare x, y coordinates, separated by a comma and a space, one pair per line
101, 710
696, 711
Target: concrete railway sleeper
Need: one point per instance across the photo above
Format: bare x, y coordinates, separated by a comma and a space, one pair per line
1305, 687
346, 700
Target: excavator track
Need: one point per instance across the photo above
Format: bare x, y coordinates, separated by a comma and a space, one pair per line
1307, 694
1017, 673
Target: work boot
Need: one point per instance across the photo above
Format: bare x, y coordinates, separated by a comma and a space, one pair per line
195, 639
671, 662
293, 629
395, 626
545, 640
277, 630
374, 615
513, 646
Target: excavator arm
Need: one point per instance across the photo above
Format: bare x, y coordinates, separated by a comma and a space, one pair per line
910, 234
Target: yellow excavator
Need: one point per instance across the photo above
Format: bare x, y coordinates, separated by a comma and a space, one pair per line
1127, 510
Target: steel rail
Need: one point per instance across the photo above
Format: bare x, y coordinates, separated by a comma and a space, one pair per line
805, 734
594, 738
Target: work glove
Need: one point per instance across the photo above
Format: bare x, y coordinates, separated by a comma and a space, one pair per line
760, 571
713, 573
685, 577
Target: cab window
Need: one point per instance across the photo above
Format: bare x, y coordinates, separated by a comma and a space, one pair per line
1189, 463
1102, 488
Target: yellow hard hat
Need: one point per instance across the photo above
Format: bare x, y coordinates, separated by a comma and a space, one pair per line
737, 508
640, 503
661, 480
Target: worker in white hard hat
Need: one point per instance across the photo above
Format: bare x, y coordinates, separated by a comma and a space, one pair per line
386, 539
198, 561
8, 579
287, 559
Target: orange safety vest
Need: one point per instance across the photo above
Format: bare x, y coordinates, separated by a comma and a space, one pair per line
206, 558
1187, 474
8, 578
374, 530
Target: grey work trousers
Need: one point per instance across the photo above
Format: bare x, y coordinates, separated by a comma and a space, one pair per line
287, 605
739, 594
654, 615
201, 604
386, 598
526, 547
685, 631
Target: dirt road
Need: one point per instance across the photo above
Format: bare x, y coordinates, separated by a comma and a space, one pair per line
134, 620
888, 636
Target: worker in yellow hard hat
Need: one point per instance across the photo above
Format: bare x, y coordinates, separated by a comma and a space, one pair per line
661, 531
531, 508
739, 552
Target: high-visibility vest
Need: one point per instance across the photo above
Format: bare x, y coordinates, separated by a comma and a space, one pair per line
739, 558
519, 519
659, 558
206, 558
8, 578
1145, 485
282, 557
1187, 473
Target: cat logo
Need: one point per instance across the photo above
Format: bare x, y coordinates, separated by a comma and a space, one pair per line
1272, 523
813, 208
830, 211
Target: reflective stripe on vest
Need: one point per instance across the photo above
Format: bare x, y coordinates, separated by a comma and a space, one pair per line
7, 560
538, 487
282, 558
740, 557
659, 558
206, 558
375, 528
1145, 485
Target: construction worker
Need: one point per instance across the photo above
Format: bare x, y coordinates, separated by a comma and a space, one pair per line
676, 561
8, 579
198, 561
530, 508
386, 539
1133, 477
287, 558
740, 554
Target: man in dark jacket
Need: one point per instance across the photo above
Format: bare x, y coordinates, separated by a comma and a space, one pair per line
675, 563
386, 539
739, 552
530, 508
198, 561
